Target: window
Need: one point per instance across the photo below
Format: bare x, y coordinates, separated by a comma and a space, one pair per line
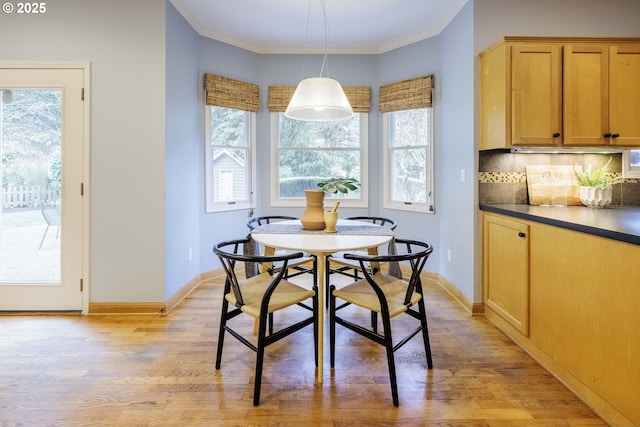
407, 134
408, 159
631, 163
230, 139
306, 152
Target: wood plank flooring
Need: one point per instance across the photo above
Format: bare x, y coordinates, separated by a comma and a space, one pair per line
159, 371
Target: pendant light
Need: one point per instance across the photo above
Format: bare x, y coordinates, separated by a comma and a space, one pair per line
319, 98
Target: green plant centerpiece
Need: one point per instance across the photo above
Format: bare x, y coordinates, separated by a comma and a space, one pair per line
339, 185
595, 185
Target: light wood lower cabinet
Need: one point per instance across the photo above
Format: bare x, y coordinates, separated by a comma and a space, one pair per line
583, 317
506, 270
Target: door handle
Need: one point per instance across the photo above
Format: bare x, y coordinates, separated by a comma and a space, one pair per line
521, 234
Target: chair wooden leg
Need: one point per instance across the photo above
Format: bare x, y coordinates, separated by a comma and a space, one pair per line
223, 323
332, 326
374, 321
270, 323
315, 270
388, 343
425, 332
262, 329
327, 275
315, 324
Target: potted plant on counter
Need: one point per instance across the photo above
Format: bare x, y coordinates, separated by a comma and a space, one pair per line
313, 216
595, 185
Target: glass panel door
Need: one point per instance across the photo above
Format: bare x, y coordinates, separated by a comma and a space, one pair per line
30, 144
42, 141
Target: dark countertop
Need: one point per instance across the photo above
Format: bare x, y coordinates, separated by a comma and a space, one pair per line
619, 222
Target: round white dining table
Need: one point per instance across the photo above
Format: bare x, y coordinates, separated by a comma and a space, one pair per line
321, 245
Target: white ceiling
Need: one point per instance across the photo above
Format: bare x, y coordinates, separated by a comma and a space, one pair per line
355, 26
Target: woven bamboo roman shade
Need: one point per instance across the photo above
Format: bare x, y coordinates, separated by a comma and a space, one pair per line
225, 92
407, 95
359, 97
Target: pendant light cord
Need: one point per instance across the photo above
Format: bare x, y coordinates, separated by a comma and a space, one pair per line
323, 3
306, 38
325, 60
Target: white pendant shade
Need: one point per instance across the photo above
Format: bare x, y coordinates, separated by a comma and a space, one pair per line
319, 98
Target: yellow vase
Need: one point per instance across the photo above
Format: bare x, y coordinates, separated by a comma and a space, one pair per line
330, 221
313, 216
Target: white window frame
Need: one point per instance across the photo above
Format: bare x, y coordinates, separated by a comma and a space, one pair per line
429, 205
629, 171
210, 204
362, 202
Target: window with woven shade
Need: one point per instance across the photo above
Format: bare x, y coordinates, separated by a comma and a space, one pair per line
407, 121
407, 94
230, 110
230, 93
307, 152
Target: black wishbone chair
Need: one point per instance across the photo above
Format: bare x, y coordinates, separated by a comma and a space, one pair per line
259, 296
388, 296
338, 264
305, 265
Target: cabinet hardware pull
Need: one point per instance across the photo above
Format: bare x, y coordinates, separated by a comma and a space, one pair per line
607, 135
521, 234
556, 135
615, 135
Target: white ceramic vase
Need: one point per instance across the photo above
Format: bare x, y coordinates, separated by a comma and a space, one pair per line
595, 197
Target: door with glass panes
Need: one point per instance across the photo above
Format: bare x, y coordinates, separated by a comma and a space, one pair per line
41, 220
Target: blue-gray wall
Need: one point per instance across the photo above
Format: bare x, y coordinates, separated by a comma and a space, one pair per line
147, 126
184, 186
457, 157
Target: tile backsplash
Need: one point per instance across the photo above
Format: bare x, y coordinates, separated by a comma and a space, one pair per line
502, 177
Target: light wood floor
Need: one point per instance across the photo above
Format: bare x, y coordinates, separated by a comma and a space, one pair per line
159, 371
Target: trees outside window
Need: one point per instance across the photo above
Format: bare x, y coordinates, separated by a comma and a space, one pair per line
307, 152
408, 159
31, 136
229, 166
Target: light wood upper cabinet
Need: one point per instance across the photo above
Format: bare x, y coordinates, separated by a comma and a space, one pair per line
601, 95
586, 94
536, 94
624, 95
543, 91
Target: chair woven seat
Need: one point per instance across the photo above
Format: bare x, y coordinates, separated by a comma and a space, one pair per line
338, 264
362, 294
285, 295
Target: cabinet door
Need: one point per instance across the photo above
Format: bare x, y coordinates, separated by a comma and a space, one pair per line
584, 312
536, 84
625, 95
506, 270
586, 95
494, 98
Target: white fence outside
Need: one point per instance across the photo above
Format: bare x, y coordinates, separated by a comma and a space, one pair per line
28, 197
